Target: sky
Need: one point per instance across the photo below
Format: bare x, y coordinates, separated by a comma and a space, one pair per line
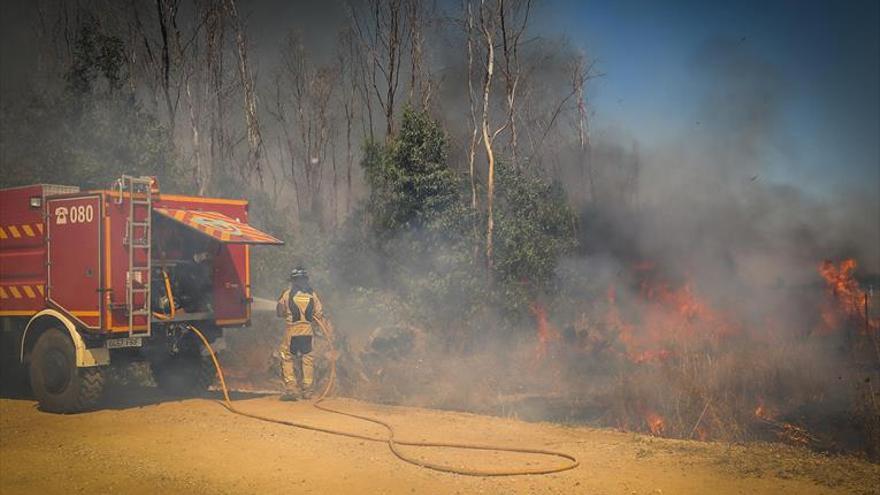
825, 57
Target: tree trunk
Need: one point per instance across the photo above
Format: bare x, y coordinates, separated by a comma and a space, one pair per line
164, 12
472, 98
199, 174
487, 141
393, 65
255, 138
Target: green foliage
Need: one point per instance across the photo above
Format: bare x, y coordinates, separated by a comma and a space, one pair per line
415, 236
98, 60
411, 185
88, 134
534, 227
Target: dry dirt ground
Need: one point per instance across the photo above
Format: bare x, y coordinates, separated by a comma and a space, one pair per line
160, 445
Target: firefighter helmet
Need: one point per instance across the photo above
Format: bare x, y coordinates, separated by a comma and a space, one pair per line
298, 272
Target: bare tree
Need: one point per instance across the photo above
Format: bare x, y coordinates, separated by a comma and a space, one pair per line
254, 135
167, 14
513, 18
172, 58
184, 50
384, 34
308, 130
582, 72
290, 86
321, 92
157, 55
215, 94
420, 87
500, 23
363, 77
487, 27
348, 75
472, 100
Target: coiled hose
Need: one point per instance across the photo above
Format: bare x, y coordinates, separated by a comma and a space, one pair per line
393, 443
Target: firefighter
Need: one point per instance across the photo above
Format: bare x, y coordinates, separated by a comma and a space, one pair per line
301, 309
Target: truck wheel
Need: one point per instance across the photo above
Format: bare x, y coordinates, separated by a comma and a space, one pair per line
57, 383
184, 375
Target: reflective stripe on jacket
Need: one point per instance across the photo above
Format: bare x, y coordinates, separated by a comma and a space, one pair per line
299, 311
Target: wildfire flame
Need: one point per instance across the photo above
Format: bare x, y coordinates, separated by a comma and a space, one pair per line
655, 319
663, 314
761, 412
656, 423
546, 332
786, 432
847, 299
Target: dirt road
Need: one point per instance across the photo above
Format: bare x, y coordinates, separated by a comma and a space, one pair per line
159, 445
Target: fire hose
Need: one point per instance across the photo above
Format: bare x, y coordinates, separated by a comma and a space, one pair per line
390, 440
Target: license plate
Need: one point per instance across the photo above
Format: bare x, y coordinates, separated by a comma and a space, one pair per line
124, 342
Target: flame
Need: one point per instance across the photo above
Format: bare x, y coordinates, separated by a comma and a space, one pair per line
546, 332
784, 431
846, 301
663, 314
656, 423
762, 412
659, 319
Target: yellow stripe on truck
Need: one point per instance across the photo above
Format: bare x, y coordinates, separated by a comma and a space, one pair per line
20, 291
86, 313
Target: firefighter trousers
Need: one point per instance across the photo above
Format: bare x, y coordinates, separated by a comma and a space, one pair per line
297, 361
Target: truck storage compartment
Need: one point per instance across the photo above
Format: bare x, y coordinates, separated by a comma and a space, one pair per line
183, 271
195, 275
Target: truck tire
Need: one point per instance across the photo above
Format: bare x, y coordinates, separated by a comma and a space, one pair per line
186, 375
56, 382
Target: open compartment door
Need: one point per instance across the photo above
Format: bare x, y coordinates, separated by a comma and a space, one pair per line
219, 226
218, 245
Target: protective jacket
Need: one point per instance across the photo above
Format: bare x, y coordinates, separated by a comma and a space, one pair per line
300, 309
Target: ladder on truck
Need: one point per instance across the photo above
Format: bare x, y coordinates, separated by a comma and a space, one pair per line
138, 236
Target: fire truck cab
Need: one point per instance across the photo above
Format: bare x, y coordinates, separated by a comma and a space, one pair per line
88, 278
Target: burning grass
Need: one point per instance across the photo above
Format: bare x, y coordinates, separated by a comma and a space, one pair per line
684, 369
657, 359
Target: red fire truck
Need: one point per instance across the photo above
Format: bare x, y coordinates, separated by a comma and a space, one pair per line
90, 278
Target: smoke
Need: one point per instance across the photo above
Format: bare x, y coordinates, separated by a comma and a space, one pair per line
707, 203
697, 278
708, 240
710, 253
